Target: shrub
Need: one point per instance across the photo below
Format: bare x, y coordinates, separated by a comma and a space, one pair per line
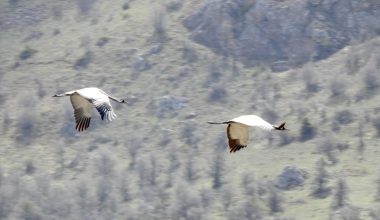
85, 6
217, 94
29, 167
290, 177
189, 54
174, 5
84, 61
344, 117
337, 87
126, 6
159, 28
285, 139
27, 53
307, 131
371, 80
102, 41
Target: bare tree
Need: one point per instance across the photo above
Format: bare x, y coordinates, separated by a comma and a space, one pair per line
105, 164
274, 200
227, 197
174, 164
153, 173
217, 168
191, 173
310, 78
376, 124
125, 190
159, 26
340, 196
337, 87
320, 188
249, 183
186, 203
327, 146
377, 196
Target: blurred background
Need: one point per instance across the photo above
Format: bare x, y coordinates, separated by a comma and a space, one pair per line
312, 63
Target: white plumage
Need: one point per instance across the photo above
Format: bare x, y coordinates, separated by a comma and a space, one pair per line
237, 129
83, 100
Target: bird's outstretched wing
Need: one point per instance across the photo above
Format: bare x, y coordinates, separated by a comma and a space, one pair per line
104, 108
82, 112
237, 136
254, 121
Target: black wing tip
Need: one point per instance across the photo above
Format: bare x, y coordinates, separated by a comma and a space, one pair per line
235, 148
83, 124
280, 127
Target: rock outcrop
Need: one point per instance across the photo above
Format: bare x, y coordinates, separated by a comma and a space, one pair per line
289, 32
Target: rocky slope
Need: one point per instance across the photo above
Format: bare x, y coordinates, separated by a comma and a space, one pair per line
289, 32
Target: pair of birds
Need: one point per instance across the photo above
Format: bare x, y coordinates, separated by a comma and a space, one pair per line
83, 100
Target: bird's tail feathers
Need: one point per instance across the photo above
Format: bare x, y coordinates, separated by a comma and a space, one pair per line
280, 127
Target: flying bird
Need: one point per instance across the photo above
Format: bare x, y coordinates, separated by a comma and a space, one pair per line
83, 100
237, 129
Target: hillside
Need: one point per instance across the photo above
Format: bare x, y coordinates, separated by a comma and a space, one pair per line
160, 159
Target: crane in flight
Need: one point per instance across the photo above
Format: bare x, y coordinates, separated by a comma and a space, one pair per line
237, 129
83, 100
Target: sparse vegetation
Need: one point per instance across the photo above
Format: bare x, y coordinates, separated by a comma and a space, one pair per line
159, 159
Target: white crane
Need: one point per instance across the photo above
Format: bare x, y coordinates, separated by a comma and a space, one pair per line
237, 129
84, 99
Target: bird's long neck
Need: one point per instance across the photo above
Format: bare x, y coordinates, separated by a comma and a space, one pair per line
217, 123
60, 95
